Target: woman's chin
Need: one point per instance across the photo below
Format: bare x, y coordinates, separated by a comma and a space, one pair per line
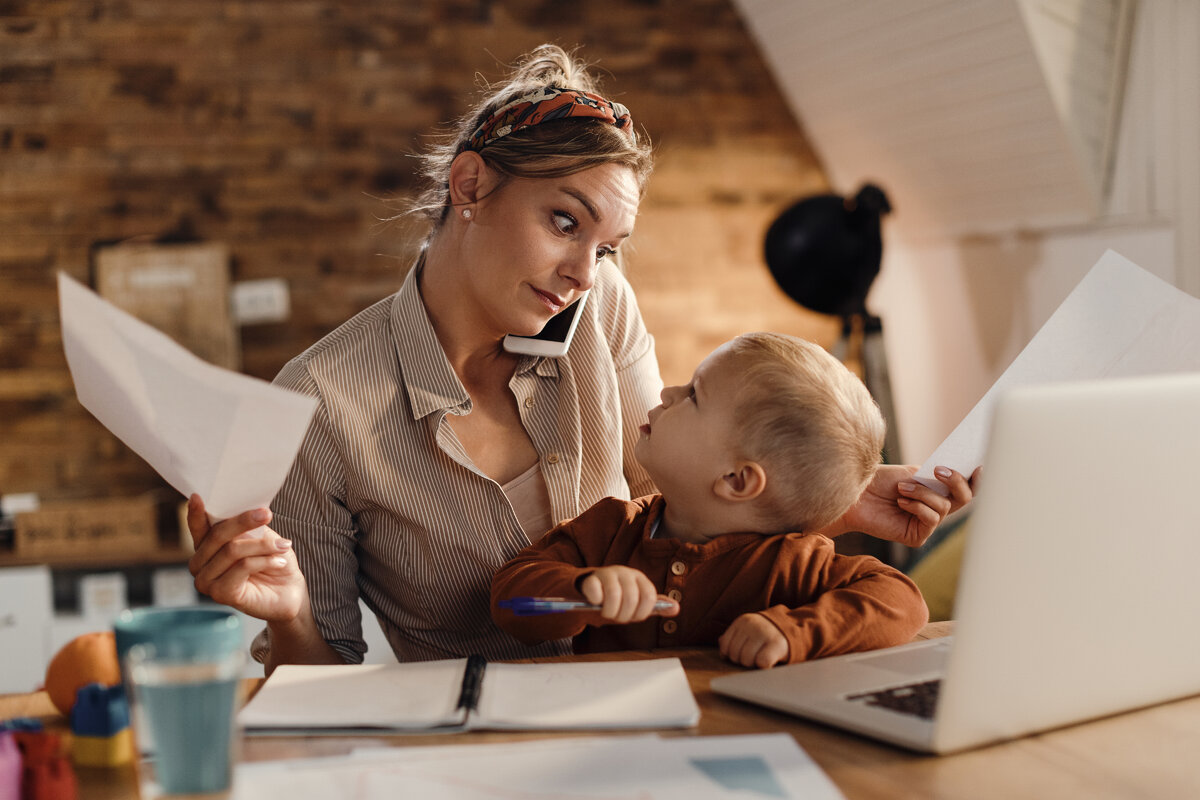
530, 327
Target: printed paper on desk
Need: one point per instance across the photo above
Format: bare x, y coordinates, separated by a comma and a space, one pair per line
1120, 321
589, 768
226, 436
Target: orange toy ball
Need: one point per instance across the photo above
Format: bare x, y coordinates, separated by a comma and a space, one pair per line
90, 658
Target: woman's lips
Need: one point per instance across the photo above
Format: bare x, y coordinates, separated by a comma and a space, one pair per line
551, 301
644, 428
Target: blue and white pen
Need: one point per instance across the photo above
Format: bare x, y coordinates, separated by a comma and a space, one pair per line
530, 606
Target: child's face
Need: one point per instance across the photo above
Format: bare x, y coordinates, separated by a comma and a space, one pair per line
686, 444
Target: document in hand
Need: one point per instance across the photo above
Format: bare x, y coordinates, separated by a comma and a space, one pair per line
462, 694
229, 437
1120, 321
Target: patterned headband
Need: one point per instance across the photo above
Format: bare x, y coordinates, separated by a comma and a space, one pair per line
544, 105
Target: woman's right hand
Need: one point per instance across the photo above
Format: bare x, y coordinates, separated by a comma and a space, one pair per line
242, 563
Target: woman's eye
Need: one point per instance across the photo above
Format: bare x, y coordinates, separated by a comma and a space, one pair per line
565, 222
604, 252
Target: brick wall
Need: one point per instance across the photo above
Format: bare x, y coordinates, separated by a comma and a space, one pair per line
280, 127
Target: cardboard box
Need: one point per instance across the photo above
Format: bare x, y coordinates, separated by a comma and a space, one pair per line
181, 289
84, 528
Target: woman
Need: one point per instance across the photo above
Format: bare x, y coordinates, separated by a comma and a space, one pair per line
434, 454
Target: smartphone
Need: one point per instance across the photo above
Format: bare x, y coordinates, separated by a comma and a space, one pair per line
554, 339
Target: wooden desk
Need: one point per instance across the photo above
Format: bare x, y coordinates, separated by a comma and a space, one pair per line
1151, 753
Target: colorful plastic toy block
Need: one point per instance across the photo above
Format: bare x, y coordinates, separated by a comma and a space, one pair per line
46, 774
100, 727
10, 766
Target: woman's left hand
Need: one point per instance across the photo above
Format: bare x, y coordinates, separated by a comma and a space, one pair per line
897, 508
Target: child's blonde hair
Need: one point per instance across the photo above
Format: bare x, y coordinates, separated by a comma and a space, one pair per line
811, 424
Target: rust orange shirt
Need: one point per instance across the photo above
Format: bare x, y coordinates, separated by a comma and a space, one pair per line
823, 602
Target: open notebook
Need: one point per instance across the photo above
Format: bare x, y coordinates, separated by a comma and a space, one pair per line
462, 694
1077, 597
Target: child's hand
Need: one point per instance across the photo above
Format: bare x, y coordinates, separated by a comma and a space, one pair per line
624, 594
753, 641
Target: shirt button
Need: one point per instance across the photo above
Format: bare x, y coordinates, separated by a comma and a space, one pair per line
670, 626
529, 402
552, 458
678, 568
675, 595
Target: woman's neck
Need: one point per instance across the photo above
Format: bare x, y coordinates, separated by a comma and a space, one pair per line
471, 349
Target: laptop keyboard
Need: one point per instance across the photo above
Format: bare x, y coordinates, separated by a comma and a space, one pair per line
917, 699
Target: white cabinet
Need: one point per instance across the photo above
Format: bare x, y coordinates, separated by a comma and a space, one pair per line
26, 611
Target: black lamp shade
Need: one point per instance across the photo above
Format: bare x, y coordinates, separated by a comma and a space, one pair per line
825, 250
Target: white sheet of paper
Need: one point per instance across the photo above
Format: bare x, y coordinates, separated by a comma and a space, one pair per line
1120, 321
226, 436
418, 694
609, 694
642, 767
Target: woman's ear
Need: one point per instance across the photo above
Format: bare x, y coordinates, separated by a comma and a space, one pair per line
469, 176
746, 482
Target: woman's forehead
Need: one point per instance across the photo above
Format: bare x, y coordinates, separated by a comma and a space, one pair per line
608, 192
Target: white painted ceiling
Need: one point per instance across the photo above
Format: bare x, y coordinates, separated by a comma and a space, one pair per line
976, 116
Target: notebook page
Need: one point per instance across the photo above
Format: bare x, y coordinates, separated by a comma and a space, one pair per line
603, 694
413, 695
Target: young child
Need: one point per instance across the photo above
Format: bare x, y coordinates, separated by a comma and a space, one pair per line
772, 437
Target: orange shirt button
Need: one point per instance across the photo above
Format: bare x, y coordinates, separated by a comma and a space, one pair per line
552, 458
678, 567
529, 402
675, 595
670, 626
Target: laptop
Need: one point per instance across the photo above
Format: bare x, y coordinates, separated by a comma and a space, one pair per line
1079, 593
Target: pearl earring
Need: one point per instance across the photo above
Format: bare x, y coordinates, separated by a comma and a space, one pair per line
466, 213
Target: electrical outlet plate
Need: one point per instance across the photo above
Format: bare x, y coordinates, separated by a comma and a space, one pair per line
261, 301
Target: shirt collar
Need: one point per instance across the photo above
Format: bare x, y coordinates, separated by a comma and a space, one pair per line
428, 377
542, 366
655, 542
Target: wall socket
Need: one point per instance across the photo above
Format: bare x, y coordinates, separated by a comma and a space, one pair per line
261, 301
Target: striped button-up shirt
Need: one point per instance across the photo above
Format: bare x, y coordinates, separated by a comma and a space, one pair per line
384, 503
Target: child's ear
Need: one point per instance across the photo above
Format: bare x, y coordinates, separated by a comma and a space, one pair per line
469, 178
745, 482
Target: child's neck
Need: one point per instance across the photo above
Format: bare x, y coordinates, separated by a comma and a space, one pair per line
696, 526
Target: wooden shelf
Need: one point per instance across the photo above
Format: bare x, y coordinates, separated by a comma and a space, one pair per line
161, 557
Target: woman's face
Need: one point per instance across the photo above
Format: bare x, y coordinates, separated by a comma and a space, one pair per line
533, 245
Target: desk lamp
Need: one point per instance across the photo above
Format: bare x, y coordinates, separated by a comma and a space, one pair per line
824, 252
